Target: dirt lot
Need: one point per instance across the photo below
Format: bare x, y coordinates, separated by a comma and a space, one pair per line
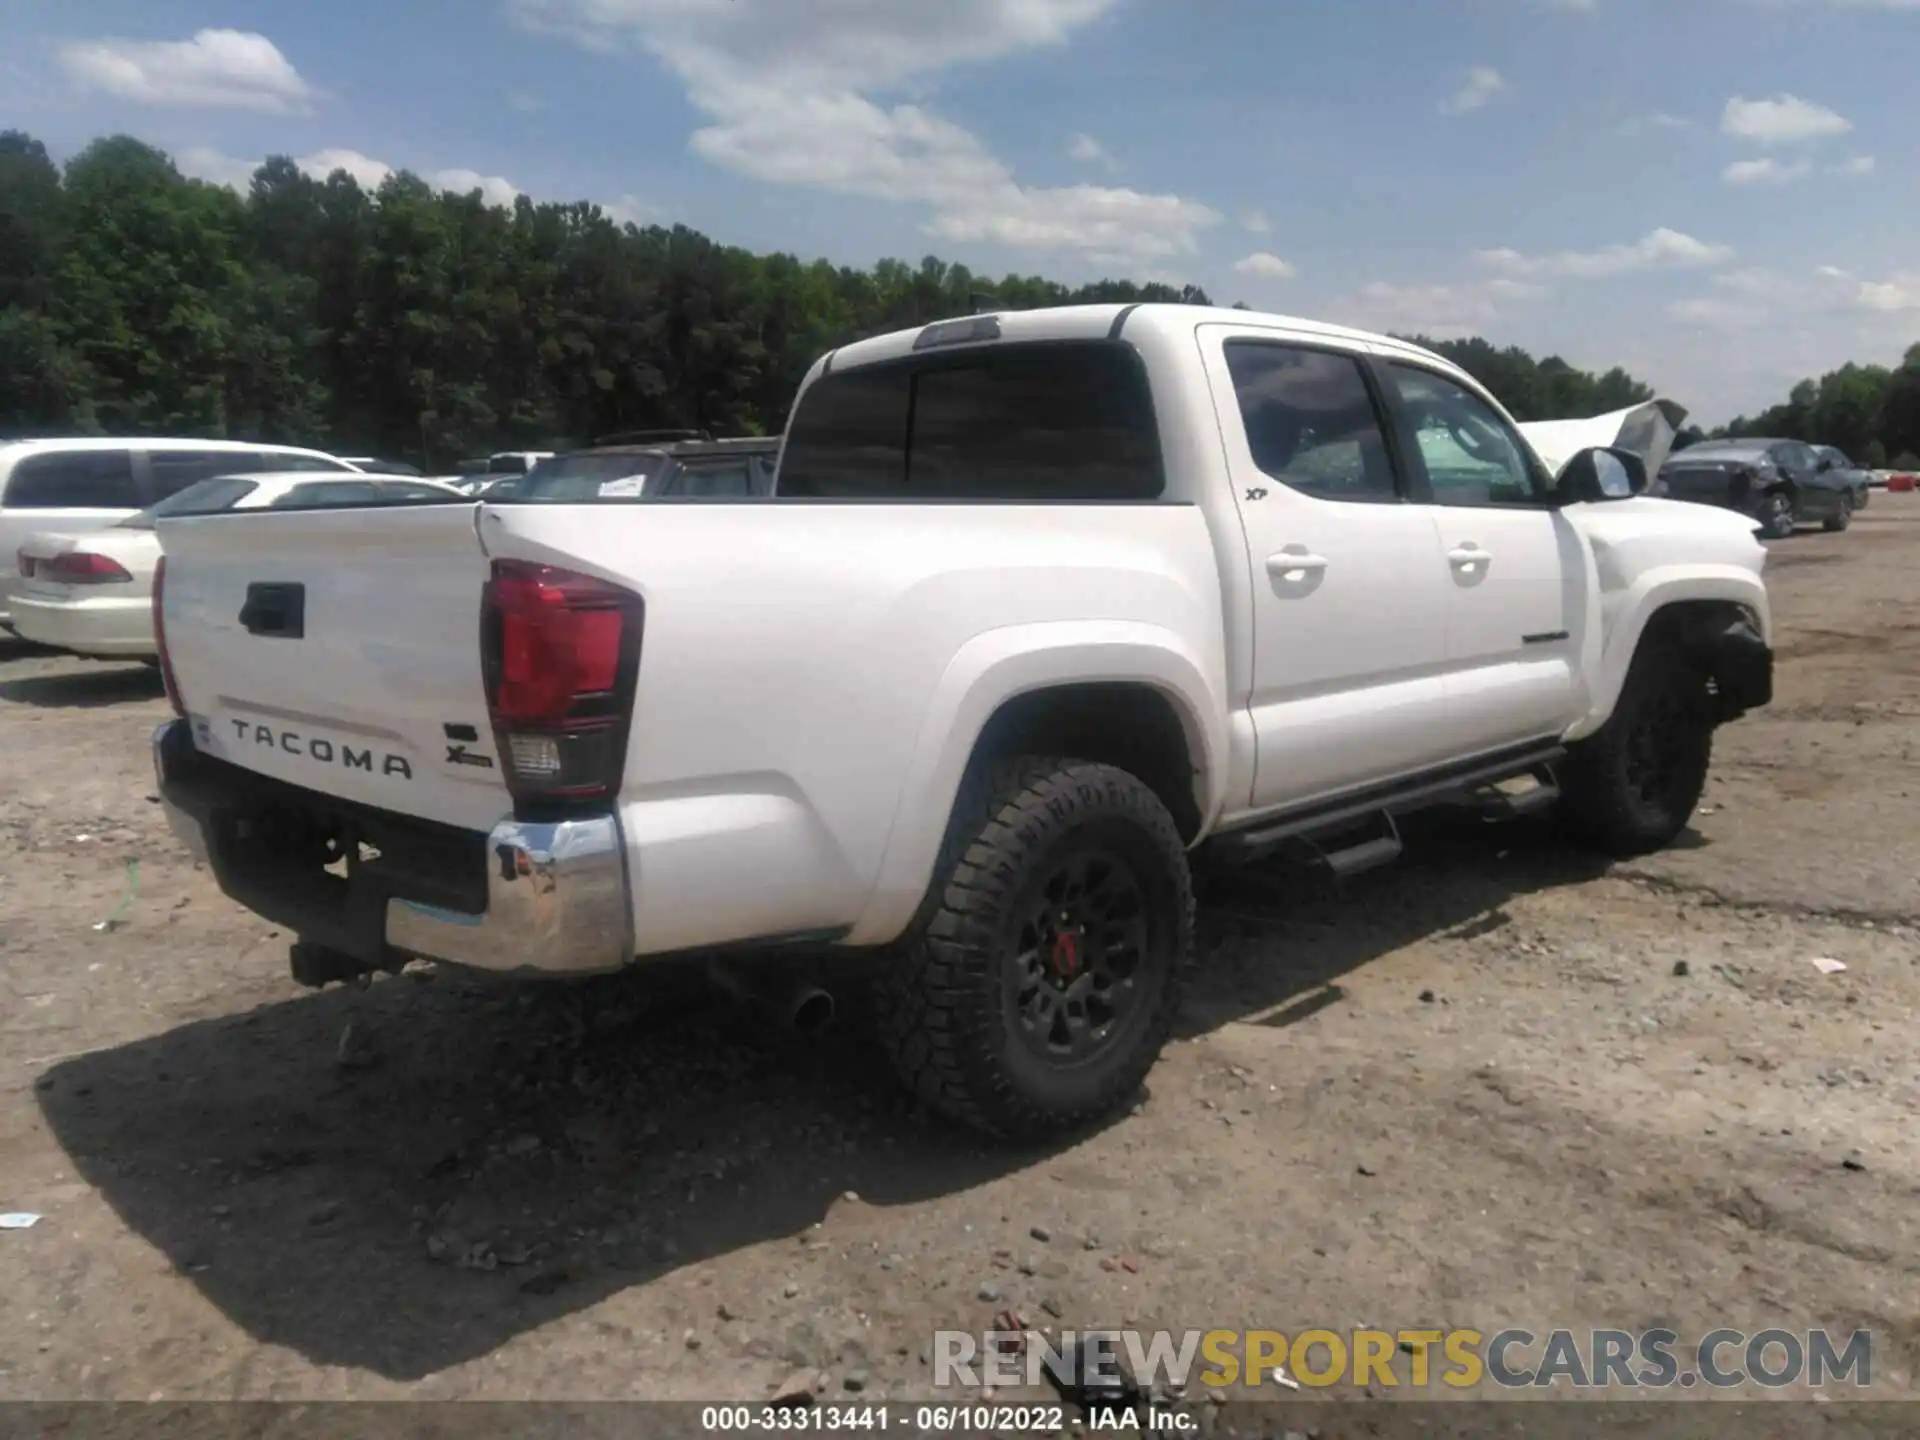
1498, 1084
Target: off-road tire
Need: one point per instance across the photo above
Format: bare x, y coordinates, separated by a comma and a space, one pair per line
1777, 519
943, 1003
1607, 800
1841, 519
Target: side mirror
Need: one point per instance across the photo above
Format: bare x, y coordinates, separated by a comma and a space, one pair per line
1600, 474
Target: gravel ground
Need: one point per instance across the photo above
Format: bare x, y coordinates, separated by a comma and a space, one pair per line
1496, 1085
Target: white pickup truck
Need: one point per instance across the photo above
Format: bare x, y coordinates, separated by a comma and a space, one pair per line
1044, 601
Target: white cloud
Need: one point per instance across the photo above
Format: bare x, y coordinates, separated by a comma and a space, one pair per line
207, 164
789, 88
1753, 296
625, 210
1898, 295
1661, 249
1266, 266
1088, 151
203, 163
1782, 120
372, 174
1442, 311
1256, 222
494, 189
525, 101
369, 172
216, 69
1766, 171
1483, 82
1859, 164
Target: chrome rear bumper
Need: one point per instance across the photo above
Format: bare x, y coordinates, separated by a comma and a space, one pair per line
532, 899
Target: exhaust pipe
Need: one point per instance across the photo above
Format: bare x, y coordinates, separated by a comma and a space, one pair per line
797, 1002
812, 1011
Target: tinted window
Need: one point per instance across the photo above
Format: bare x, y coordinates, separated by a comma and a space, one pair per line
73, 480
286, 461
1051, 422
574, 478
1472, 456
849, 436
1310, 421
721, 480
326, 493
401, 493
174, 470
205, 498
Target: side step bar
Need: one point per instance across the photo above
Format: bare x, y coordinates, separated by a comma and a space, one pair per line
1505, 786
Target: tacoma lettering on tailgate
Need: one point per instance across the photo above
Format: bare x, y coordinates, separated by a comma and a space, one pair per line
324, 751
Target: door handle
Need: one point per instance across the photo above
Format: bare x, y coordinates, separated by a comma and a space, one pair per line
1288, 563
1465, 557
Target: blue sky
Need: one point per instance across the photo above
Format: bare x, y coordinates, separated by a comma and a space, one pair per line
1721, 195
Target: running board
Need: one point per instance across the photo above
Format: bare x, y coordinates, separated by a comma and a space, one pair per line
1522, 795
1366, 855
1476, 783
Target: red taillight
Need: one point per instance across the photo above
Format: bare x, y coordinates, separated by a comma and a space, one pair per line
160, 638
81, 567
561, 652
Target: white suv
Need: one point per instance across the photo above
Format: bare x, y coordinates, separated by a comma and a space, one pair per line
80, 485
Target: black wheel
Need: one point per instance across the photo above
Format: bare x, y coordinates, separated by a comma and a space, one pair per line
1776, 515
1631, 787
1841, 517
1038, 991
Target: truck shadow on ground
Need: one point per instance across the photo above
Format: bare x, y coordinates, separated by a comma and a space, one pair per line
475, 1161
87, 689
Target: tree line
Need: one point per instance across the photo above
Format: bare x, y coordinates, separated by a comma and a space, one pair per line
1870, 412
429, 325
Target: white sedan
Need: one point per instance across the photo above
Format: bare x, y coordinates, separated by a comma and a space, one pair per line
93, 593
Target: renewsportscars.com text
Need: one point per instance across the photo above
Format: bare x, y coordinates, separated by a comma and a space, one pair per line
1508, 1359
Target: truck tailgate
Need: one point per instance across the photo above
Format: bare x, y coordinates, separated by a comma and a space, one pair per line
339, 650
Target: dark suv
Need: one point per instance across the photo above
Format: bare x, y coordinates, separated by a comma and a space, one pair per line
652, 465
1781, 483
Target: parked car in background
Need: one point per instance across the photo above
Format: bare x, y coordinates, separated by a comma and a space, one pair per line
92, 593
1780, 483
654, 465
81, 485
1861, 480
374, 465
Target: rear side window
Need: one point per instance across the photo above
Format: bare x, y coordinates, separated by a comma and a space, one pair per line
1046, 422
73, 480
174, 470
1310, 421
208, 497
283, 461
326, 493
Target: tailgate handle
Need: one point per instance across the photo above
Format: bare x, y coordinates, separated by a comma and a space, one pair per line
276, 611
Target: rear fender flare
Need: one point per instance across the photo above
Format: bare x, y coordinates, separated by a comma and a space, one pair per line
999, 666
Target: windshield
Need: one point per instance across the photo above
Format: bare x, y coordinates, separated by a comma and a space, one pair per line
573, 478
203, 497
